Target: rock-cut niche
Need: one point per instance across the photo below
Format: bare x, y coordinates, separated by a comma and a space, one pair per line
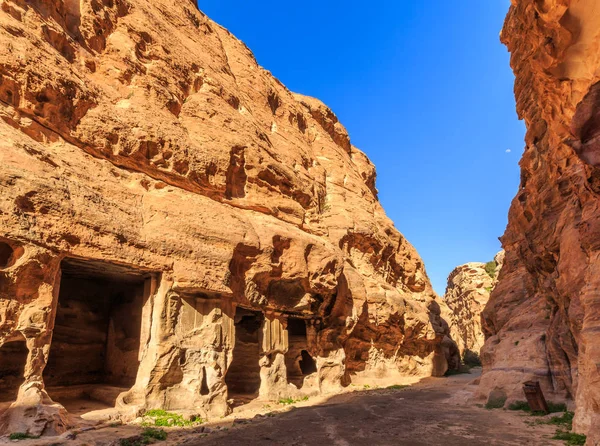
96, 338
13, 358
298, 361
243, 375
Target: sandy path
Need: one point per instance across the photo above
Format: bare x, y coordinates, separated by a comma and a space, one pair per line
436, 411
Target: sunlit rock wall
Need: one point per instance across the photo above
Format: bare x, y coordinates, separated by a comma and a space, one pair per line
144, 153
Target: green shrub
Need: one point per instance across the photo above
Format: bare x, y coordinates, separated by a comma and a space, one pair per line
566, 420
570, 438
289, 400
556, 407
22, 436
520, 405
490, 268
398, 386
148, 436
552, 407
156, 434
496, 403
163, 418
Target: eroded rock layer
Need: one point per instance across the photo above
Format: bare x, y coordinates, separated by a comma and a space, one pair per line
543, 318
468, 291
180, 231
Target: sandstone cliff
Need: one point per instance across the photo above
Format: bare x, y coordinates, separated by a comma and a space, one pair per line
180, 231
467, 293
543, 318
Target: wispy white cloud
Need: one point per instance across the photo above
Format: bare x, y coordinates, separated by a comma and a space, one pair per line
508, 150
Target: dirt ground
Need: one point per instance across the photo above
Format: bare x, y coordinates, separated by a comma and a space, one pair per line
436, 411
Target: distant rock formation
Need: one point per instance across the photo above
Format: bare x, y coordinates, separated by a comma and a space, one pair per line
543, 318
180, 231
468, 291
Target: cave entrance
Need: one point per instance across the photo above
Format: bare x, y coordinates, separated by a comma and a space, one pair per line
13, 357
96, 339
298, 362
243, 374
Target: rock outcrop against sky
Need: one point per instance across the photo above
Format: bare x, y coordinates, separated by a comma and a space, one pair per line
180, 231
468, 291
542, 319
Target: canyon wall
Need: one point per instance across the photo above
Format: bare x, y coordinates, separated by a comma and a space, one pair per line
467, 293
180, 231
543, 318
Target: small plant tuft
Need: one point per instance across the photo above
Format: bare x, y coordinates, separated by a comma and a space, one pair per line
289, 400
490, 268
398, 386
148, 436
566, 420
495, 403
156, 434
22, 436
552, 408
520, 405
556, 407
163, 418
570, 438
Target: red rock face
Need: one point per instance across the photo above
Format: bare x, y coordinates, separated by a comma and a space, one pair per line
543, 318
144, 152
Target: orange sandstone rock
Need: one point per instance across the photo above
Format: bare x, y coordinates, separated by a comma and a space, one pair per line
467, 293
180, 231
543, 318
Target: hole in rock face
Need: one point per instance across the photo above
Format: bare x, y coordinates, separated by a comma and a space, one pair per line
6, 255
298, 361
307, 363
13, 357
96, 337
243, 375
204, 386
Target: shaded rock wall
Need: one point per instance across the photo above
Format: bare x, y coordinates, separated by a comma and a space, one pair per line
141, 145
542, 320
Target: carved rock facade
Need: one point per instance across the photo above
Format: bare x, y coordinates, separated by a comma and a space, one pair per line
180, 231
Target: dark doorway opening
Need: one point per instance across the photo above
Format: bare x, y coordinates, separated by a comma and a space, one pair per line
13, 357
96, 338
307, 363
298, 362
6, 254
243, 375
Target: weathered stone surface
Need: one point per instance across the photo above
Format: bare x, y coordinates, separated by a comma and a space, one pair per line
467, 293
155, 181
543, 318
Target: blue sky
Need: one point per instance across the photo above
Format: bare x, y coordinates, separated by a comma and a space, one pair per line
424, 88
